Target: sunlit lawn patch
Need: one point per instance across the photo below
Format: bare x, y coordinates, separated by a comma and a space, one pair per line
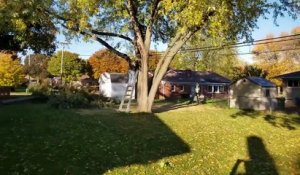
202, 139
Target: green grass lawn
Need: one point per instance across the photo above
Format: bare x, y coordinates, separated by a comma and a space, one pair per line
189, 139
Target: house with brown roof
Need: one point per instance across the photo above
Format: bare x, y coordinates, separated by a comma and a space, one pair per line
182, 84
291, 88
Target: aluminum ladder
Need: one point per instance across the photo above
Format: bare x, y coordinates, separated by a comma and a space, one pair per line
129, 92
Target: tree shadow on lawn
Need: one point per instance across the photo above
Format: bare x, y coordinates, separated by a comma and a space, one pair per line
171, 105
64, 142
260, 161
276, 119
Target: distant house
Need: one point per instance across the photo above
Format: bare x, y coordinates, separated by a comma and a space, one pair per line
291, 88
253, 93
86, 80
182, 83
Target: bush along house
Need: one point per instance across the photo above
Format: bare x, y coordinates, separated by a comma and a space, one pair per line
182, 84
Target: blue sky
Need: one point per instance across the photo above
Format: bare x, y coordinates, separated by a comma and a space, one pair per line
265, 26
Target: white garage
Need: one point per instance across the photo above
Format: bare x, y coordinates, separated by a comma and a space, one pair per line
253, 93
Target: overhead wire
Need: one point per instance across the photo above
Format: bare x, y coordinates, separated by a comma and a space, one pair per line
240, 44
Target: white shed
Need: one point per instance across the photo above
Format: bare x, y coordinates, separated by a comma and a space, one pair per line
253, 93
113, 85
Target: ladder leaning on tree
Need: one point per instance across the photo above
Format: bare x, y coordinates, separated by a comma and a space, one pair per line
129, 92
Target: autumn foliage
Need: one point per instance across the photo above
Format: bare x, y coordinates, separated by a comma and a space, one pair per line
11, 71
106, 61
278, 56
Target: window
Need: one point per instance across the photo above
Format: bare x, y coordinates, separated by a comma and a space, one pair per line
267, 93
210, 89
216, 89
173, 88
181, 87
221, 89
290, 83
293, 83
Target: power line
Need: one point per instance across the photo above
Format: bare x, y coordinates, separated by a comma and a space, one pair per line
249, 43
240, 44
273, 51
252, 53
221, 48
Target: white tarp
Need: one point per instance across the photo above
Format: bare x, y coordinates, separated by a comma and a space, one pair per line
117, 87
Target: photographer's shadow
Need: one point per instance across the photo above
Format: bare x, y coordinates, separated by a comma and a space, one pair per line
260, 161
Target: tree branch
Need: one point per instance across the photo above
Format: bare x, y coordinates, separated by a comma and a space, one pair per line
149, 29
131, 9
105, 44
59, 17
115, 51
112, 35
161, 60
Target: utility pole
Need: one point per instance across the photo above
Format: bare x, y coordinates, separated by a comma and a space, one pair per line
62, 60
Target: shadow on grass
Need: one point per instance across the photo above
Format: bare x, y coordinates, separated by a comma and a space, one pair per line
260, 161
246, 113
38, 140
288, 121
171, 105
220, 103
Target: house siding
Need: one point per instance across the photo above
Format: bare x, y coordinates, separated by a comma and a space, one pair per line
291, 95
165, 91
244, 94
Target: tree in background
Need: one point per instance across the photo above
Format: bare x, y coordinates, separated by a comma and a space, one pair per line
106, 61
139, 23
25, 25
249, 71
222, 60
73, 66
278, 56
11, 71
153, 59
37, 66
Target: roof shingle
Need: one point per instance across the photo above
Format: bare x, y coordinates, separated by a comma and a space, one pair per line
261, 81
189, 76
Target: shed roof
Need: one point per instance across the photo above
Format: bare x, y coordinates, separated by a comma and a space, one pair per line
261, 81
289, 75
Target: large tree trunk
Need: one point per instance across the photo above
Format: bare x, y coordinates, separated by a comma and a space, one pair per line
143, 80
163, 64
142, 97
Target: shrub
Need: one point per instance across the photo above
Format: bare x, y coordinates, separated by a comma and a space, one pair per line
101, 102
39, 89
69, 98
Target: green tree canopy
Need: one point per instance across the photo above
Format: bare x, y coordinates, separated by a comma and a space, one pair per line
249, 71
25, 25
73, 66
11, 71
206, 55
